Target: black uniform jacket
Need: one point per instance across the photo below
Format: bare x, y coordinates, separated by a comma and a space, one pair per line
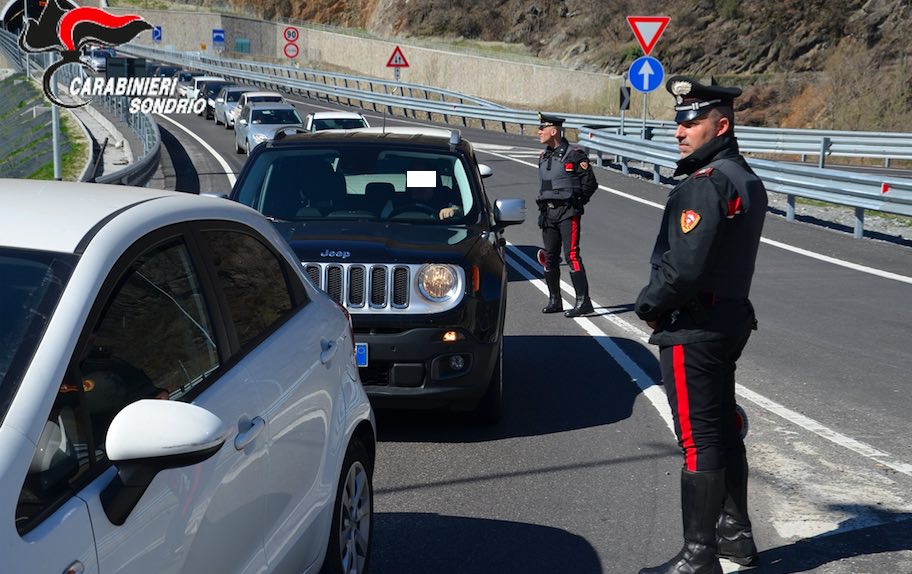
703, 260
558, 158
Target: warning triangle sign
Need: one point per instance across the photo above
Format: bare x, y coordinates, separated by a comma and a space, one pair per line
647, 30
397, 60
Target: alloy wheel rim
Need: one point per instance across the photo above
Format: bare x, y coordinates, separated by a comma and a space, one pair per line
355, 520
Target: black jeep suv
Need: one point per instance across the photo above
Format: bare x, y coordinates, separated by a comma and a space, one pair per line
396, 227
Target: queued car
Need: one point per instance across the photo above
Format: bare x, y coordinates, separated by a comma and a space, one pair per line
185, 81
163, 71
97, 58
259, 97
396, 226
226, 105
175, 395
209, 91
193, 89
337, 120
258, 122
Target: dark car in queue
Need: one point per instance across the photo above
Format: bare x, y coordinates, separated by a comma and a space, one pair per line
396, 226
209, 91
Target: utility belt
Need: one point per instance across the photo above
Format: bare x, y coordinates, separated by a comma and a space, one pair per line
698, 307
556, 203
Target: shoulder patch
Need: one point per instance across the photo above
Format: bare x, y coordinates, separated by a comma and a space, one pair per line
706, 171
689, 220
568, 166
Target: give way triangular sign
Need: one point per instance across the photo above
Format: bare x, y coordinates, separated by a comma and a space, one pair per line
397, 60
647, 30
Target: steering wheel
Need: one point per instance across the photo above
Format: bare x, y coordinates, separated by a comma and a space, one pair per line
415, 208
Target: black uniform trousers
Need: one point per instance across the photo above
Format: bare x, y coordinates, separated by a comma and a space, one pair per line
699, 380
559, 229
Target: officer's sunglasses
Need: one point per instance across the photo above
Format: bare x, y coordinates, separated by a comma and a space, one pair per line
543, 126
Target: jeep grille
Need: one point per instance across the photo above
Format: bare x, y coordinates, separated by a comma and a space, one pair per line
373, 288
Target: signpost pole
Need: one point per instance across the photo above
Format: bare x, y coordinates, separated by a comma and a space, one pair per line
645, 101
623, 83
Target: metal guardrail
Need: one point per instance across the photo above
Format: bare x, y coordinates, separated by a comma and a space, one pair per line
137, 173
861, 191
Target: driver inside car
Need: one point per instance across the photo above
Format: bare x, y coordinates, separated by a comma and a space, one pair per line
424, 192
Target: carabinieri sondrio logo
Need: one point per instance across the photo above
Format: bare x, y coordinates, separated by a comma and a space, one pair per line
66, 28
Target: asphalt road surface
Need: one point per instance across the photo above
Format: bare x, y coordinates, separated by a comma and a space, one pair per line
581, 476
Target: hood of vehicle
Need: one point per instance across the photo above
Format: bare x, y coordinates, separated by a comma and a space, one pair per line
368, 242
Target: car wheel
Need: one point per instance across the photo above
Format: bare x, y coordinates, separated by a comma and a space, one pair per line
490, 407
237, 147
247, 143
350, 535
227, 125
215, 119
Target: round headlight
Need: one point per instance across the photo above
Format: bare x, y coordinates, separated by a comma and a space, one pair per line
437, 282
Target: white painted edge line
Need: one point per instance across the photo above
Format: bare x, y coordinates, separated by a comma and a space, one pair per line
228, 171
771, 242
653, 392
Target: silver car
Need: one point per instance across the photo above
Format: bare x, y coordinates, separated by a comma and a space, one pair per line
258, 123
226, 105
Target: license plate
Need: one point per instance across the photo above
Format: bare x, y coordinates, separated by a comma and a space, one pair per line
361, 354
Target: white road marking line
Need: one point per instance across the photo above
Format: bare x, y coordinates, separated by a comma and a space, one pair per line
644, 382
779, 244
228, 171
653, 392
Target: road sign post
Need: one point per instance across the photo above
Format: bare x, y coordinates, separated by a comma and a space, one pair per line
647, 73
396, 62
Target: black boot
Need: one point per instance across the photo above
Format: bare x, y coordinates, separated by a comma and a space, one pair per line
555, 302
583, 304
734, 535
701, 500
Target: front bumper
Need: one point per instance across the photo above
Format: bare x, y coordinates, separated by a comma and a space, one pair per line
412, 369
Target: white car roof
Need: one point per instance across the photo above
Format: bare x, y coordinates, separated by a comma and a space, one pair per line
59, 216
410, 131
337, 115
255, 94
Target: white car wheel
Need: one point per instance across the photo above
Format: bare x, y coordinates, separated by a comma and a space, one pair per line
350, 536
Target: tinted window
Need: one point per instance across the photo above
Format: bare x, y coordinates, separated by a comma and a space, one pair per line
153, 340
339, 124
253, 280
31, 286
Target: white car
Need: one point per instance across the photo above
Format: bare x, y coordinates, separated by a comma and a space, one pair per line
318, 121
175, 395
192, 90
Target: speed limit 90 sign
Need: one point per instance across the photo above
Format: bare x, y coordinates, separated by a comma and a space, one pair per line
291, 34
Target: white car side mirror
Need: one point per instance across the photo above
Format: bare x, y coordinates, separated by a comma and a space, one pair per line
485, 171
153, 428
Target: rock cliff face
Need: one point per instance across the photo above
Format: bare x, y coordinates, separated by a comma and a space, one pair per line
785, 51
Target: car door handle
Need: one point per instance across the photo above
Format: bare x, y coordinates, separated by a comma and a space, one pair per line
75, 568
329, 350
244, 439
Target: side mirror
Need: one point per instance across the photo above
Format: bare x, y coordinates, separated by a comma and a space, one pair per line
149, 436
485, 171
220, 100
509, 212
242, 121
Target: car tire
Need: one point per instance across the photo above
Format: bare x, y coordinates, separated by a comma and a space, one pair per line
490, 408
247, 144
350, 539
238, 148
215, 119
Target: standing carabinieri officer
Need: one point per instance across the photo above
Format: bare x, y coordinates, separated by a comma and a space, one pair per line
697, 303
567, 184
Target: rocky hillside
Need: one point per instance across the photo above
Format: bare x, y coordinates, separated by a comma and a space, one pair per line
816, 62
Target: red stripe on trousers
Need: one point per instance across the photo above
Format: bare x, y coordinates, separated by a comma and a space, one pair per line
687, 442
574, 243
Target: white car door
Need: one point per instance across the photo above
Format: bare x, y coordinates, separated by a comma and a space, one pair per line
154, 337
297, 371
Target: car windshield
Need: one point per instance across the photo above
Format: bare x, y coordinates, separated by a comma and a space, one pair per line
275, 117
358, 182
338, 124
31, 286
233, 96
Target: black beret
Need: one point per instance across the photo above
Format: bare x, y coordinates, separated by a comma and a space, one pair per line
693, 99
545, 120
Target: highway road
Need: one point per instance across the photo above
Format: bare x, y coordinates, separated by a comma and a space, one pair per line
581, 476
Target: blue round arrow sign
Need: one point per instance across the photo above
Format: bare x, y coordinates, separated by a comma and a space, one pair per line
646, 74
